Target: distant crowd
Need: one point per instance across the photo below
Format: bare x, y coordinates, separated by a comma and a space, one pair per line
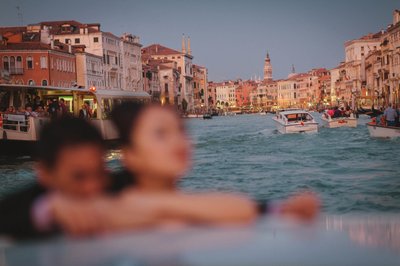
52, 108
337, 112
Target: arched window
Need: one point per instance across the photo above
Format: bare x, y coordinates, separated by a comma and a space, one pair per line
29, 62
44, 82
31, 82
12, 64
18, 64
6, 63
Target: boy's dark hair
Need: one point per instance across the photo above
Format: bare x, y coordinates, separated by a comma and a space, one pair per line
124, 117
65, 132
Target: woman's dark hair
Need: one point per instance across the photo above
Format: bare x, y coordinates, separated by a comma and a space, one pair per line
62, 133
125, 117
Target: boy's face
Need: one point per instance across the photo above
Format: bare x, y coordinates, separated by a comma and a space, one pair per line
79, 171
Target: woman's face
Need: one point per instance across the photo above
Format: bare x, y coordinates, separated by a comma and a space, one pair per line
159, 145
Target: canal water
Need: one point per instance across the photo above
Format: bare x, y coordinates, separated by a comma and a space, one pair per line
350, 172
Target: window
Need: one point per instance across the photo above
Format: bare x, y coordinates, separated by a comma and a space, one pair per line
77, 40
31, 82
29, 62
44, 82
6, 63
166, 87
19, 62
96, 39
43, 62
67, 41
12, 63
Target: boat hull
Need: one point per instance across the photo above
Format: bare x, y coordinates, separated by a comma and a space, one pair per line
311, 127
377, 131
339, 122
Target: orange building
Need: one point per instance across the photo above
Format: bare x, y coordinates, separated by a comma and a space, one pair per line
36, 63
243, 93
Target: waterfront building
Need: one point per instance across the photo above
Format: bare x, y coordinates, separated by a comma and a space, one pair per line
226, 94
200, 92
352, 71
167, 81
212, 93
184, 66
389, 74
117, 52
259, 96
373, 93
246, 94
37, 63
89, 69
151, 81
287, 92
131, 62
319, 90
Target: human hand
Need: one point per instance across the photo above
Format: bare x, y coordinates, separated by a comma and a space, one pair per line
76, 217
304, 206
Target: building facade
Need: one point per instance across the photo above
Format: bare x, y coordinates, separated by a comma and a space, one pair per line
35, 63
183, 60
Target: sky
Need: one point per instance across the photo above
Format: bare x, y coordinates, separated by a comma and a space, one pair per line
230, 38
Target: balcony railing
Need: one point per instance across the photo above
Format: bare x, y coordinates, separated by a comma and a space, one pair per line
16, 71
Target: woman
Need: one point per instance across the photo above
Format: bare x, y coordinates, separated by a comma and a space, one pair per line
156, 153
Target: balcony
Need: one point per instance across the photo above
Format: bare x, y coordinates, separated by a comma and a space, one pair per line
16, 71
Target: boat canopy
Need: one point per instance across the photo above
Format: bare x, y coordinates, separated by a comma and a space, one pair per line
97, 92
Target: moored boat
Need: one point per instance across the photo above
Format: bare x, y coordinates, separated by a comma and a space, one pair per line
17, 127
295, 121
207, 116
334, 122
382, 131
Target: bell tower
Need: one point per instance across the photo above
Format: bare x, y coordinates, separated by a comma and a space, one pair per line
267, 68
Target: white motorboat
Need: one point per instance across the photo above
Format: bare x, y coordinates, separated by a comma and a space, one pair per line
335, 122
295, 121
381, 131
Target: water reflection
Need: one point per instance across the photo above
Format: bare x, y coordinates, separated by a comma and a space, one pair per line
370, 231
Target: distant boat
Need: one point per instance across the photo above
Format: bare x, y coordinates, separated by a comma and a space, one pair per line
193, 116
330, 122
295, 121
381, 131
207, 116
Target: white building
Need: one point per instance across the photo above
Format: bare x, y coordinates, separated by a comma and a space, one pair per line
226, 94
89, 70
131, 62
105, 44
